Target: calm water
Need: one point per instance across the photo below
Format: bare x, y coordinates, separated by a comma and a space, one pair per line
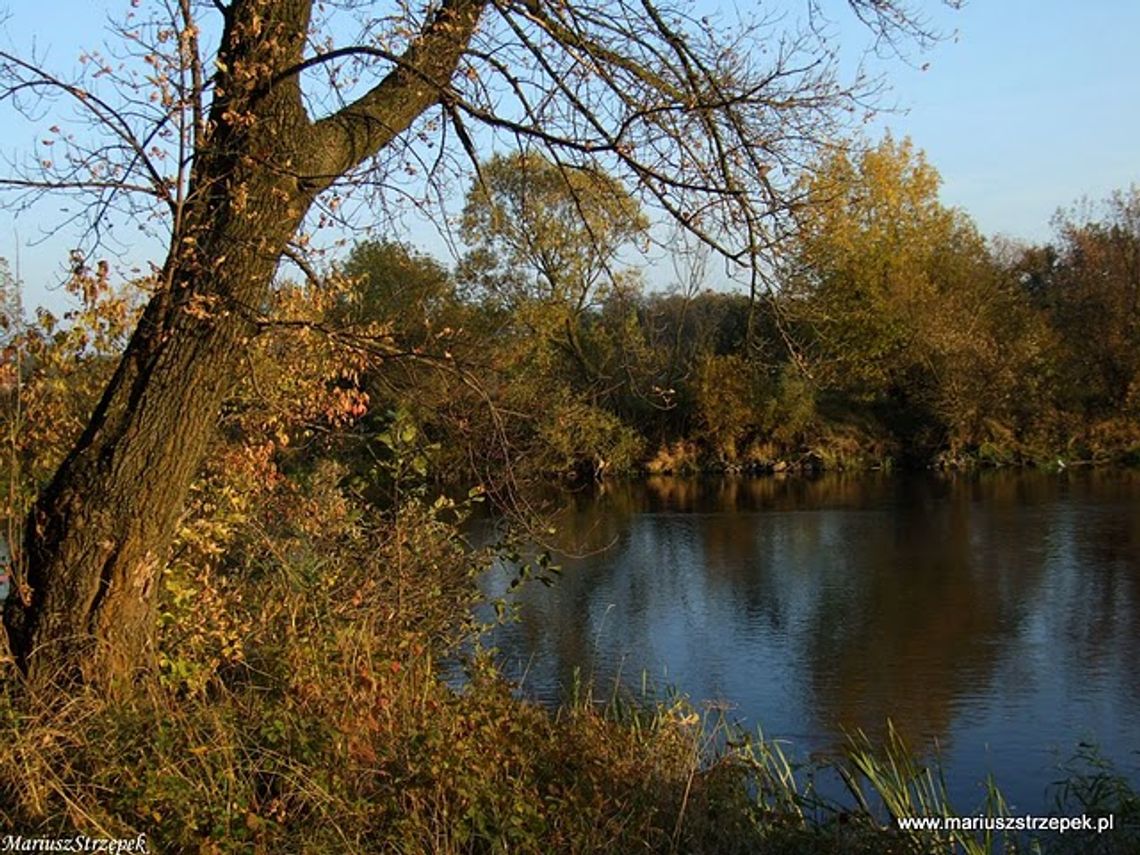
998, 615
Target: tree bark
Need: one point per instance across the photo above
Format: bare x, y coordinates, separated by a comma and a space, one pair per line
97, 538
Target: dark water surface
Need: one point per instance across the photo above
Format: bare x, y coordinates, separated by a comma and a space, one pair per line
997, 614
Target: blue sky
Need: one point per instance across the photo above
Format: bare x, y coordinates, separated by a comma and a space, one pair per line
1035, 104
1032, 105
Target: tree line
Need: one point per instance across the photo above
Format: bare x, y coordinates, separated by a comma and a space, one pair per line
894, 332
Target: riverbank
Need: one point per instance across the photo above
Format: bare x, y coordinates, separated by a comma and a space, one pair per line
686, 458
406, 765
298, 706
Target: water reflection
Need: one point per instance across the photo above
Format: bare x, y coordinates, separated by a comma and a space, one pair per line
998, 615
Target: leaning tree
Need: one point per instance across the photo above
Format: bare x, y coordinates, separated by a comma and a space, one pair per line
235, 126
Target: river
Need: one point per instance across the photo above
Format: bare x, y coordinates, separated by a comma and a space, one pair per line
993, 617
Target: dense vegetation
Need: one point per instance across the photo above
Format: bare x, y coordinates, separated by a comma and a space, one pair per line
894, 334
320, 585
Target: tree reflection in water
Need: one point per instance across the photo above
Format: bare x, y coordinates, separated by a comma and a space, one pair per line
997, 614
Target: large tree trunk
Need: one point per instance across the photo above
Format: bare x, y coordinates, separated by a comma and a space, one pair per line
97, 537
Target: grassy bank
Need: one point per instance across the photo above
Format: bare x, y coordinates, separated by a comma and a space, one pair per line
406, 765
861, 452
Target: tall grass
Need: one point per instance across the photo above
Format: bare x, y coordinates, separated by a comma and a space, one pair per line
389, 759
